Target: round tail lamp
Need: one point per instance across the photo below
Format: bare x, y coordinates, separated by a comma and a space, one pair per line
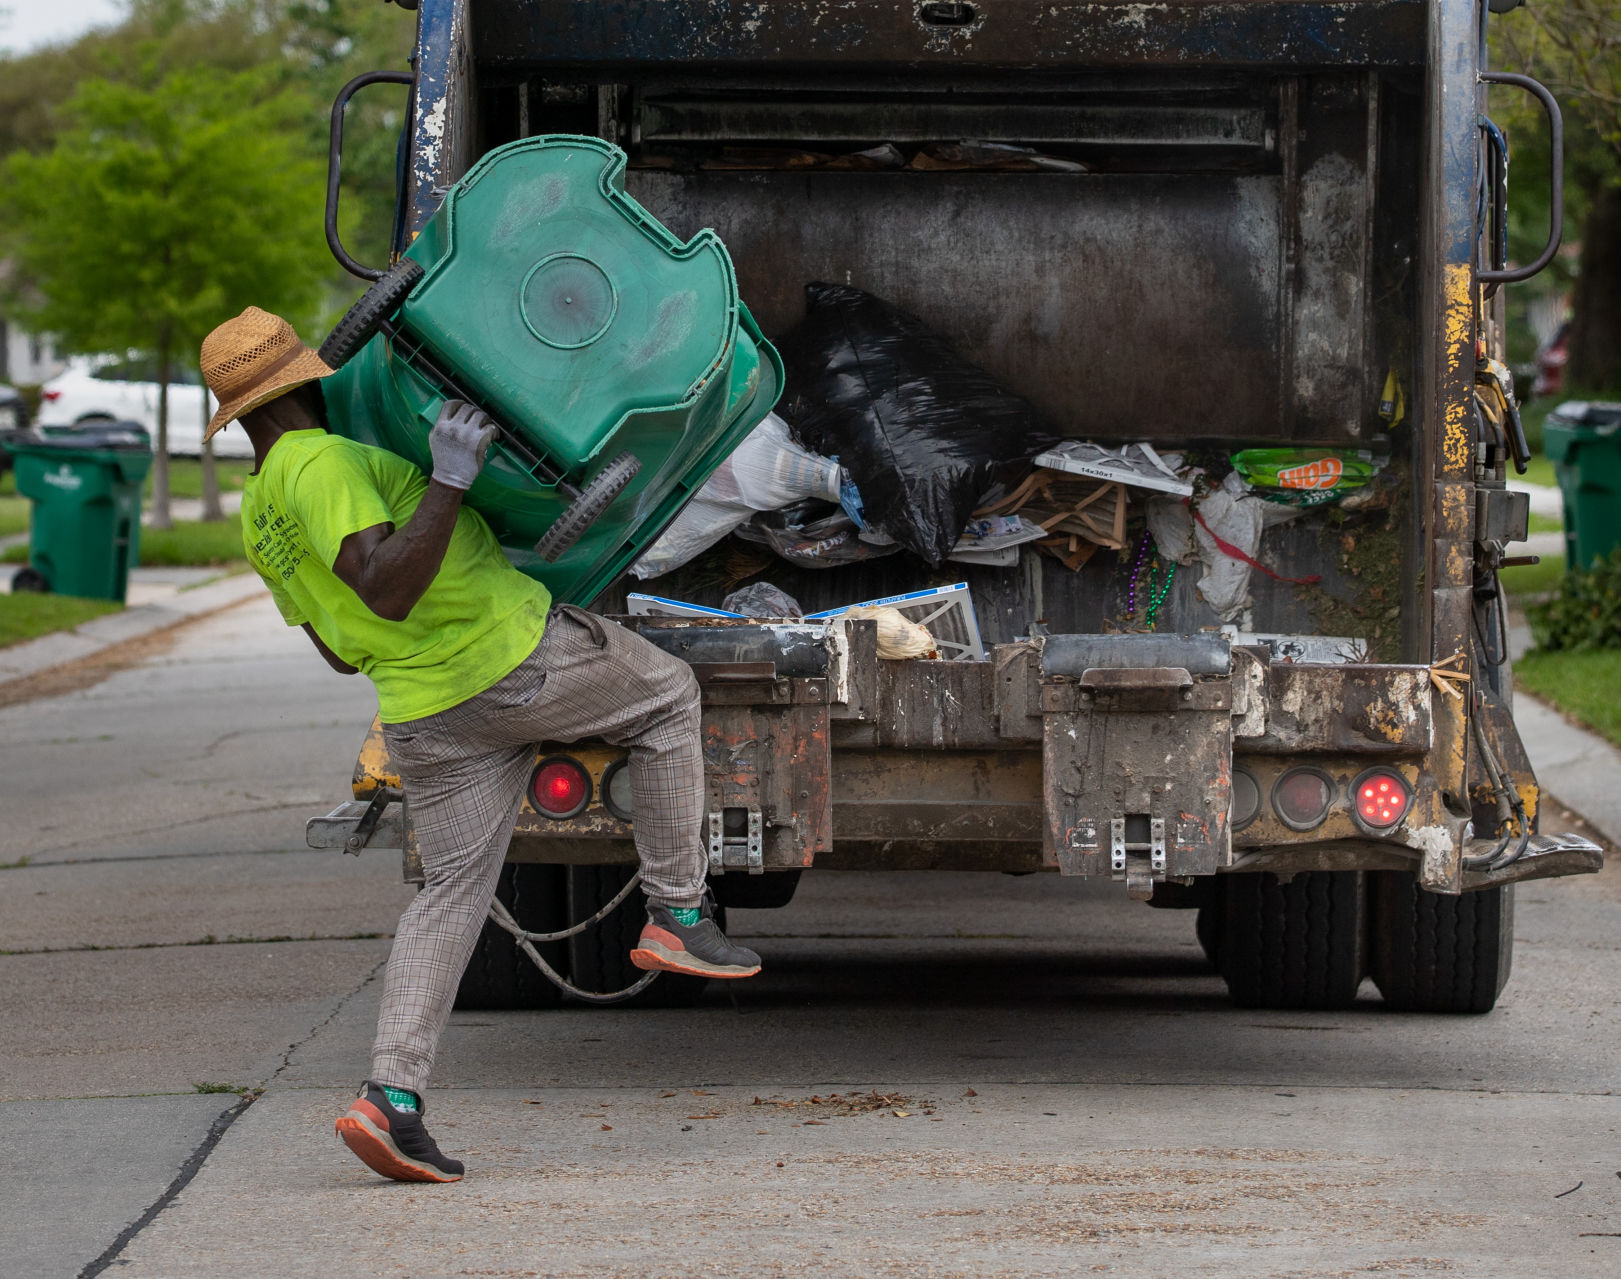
1302, 797
1381, 799
1246, 798
560, 787
616, 797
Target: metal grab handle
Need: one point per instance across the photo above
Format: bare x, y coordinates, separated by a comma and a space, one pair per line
1556, 176
334, 166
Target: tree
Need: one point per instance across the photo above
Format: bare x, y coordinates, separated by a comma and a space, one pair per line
1574, 46
159, 212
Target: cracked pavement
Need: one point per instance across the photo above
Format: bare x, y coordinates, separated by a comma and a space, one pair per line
1065, 1088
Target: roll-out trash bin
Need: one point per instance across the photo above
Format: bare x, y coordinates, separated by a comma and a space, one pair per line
85, 486
1583, 440
619, 361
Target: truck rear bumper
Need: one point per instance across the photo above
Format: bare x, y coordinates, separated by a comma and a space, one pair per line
1114, 756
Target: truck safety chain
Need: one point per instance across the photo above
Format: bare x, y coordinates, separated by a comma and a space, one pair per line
502, 918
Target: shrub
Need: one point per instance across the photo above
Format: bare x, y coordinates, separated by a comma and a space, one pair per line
1586, 613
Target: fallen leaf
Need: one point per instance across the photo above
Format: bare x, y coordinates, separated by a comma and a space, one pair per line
901, 1114
970, 1093
699, 1092
817, 1122
593, 1116
686, 1127
716, 1116
663, 1095
779, 1163
607, 1127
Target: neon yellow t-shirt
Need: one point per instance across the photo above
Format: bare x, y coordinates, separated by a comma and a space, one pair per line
477, 620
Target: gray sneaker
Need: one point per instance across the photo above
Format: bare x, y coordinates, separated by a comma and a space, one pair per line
699, 950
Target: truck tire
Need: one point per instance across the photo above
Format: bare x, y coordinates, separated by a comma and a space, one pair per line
361, 322
584, 511
600, 956
499, 975
1208, 927
29, 579
771, 891
1433, 953
1297, 944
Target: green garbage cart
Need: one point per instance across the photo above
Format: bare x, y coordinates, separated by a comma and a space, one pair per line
618, 360
1583, 440
85, 485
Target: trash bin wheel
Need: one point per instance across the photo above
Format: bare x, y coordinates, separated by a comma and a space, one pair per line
359, 326
30, 579
584, 511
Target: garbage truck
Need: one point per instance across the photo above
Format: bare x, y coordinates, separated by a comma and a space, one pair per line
1273, 224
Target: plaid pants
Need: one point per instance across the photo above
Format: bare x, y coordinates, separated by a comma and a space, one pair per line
464, 771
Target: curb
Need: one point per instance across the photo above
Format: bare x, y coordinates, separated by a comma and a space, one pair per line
1578, 768
59, 648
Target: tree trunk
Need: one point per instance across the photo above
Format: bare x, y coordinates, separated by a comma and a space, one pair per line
1595, 324
212, 510
160, 452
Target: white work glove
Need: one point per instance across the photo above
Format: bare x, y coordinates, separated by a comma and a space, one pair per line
459, 440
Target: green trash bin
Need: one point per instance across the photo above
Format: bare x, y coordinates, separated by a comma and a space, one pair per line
619, 360
1583, 441
85, 484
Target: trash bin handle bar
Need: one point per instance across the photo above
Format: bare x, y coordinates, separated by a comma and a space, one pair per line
334, 166
514, 443
1556, 176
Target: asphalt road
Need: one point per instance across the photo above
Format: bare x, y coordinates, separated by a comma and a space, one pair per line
935, 1074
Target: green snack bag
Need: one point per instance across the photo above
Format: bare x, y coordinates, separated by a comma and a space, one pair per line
1306, 477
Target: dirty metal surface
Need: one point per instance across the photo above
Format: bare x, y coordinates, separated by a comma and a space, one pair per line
1123, 766
1012, 34
773, 762
1373, 710
1036, 299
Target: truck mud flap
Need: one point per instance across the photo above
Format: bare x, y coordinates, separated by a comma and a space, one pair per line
1137, 756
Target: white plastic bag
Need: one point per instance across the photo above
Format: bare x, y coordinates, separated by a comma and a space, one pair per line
765, 472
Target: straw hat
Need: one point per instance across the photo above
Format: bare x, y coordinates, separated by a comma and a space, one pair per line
251, 360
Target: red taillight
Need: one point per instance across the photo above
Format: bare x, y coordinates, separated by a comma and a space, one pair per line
1382, 799
50, 397
560, 788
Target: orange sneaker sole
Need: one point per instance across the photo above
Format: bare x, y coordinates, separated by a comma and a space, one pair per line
658, 961
378, 1153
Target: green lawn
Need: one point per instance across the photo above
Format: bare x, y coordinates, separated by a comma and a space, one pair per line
1539, 470
193, 542
188, 543
186, 476
1546, 524
13, 509
1582, 684
1534, 579
26, 615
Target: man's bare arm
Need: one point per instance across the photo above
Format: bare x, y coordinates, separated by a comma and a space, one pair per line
332, 659
391, 568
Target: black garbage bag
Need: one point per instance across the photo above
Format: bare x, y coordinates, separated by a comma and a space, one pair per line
922, 432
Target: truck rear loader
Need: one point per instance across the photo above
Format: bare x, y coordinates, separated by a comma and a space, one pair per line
1281, 210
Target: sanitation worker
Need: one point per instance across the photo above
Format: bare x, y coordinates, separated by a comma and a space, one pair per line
389, 574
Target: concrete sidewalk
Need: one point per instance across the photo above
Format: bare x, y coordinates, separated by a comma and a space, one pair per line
21, 661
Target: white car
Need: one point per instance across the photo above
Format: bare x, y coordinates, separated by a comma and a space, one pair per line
125, 390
